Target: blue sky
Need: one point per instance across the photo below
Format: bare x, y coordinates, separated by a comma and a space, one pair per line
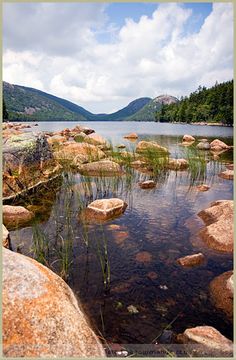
104, 55
119, 12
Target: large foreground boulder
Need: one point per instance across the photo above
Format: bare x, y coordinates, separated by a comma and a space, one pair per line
25, 149
222, 290
41, 317
26, 158
150, 146
206, 341
218, 233
103, 210
100, 168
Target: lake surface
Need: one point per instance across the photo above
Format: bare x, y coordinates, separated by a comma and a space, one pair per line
140, 248
115, 130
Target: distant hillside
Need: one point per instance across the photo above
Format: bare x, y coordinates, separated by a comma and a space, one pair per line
29, 104
203, 105
129, 110
148, 112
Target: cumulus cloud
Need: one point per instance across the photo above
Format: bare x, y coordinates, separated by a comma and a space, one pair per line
149, 57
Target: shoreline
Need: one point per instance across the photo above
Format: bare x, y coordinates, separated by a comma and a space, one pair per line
115, 121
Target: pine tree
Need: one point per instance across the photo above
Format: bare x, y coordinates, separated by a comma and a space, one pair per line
4, 110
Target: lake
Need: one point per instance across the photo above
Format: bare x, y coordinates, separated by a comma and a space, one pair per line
140, 248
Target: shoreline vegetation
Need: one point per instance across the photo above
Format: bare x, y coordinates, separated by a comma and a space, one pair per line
205, 106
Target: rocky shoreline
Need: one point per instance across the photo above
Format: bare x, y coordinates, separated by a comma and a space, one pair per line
41, 316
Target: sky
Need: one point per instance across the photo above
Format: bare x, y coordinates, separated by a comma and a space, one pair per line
104, 55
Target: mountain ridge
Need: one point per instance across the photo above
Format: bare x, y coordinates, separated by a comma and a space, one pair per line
29, 104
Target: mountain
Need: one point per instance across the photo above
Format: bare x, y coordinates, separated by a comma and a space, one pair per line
129, 110
23, 103
29, 104
147, 113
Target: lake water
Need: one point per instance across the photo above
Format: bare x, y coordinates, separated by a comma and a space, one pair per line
140, 248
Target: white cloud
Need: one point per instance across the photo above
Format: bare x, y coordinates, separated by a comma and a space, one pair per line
146, 58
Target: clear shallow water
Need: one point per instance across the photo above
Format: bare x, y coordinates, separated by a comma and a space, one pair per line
155, 224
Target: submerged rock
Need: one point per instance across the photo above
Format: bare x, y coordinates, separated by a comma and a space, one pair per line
203, 187
120, 237
145, 146
41, 316
132, 309
208, 340
14, 216
218, 233
101, 168
191, 260
143, 257
104, 209
221, 290
227, 174
149, 184
178, 164
152, 275
131, 136
188, 138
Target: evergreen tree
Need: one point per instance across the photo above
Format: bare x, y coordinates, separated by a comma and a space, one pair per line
4, 110
203, 105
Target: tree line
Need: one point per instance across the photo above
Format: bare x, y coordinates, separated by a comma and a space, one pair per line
213, 105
